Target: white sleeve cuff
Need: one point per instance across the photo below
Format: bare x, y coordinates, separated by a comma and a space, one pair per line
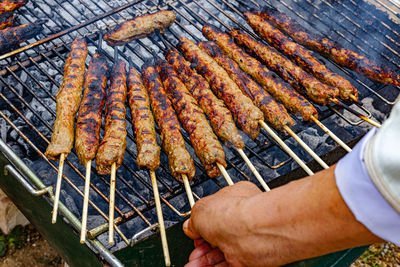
362, 197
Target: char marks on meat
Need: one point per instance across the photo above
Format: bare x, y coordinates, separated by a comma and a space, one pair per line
139, 27
219, 115
302, 81
330, 49
11, 37
112, 147
205, 143
281, 91
274, 113
87, 134
148, 151
245, 113
180, 161
68, 99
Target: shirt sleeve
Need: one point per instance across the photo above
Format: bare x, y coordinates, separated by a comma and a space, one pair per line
363, 198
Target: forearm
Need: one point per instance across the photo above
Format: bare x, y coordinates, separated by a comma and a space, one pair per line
313, 218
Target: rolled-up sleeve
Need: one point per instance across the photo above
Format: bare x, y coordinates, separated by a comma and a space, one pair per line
362, 196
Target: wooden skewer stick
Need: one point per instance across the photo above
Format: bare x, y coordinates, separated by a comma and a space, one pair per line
253, 169
112, 204
332, 135
160, 219
286, 148
306, 147
85, 201
188, 190
58, 188
228, 179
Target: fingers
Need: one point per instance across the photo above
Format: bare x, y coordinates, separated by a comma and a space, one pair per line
206, 256
240, 189
198, 242
189, 230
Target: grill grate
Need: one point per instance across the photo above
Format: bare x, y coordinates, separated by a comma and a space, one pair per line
30, 78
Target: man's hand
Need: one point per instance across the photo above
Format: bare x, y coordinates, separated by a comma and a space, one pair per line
246, 227
220, 219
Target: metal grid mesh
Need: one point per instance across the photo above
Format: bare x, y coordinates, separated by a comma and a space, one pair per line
30, 80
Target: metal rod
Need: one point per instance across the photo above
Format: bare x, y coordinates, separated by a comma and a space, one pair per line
85, 201
286, 148
332, 135
228, 179
188, 190
163, 234
58, 188
358, 114
253, 169
112, 204
306, 147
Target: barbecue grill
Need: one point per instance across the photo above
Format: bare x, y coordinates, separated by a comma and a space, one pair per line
31, 75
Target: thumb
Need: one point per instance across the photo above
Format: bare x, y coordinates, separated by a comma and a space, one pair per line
189, 230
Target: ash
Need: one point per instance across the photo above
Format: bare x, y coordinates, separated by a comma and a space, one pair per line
32, 92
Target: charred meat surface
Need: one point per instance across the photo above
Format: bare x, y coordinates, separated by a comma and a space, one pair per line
205, 143
317, 91
10, 5
11, 37
88, 125
301, 56
7, 19
274, 113
245, 113
112, 147
281, 91
68, 99
180, 161
148, 151
330, 49
220, 117
139, 27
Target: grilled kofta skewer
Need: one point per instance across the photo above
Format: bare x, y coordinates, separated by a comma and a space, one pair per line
317, 91
281, 91
7, 19
219, 115
68, 99
139, 27
205, 143
245, 113
330, 49
180, 161
274, 113
148, 151
91, 109
300, 55
11, 37
11, 5
112, 147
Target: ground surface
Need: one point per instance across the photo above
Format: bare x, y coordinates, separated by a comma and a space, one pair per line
24, 246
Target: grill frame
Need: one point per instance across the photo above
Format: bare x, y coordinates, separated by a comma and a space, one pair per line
57, 50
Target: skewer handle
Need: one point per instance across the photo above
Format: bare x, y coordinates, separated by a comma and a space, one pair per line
111, 206
228, 179
358, 114
188, 190
85, 201
253, 169
332, 135
306, 147
160, 219
58, 188
286, 148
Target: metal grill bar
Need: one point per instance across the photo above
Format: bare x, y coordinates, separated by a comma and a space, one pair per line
54, 49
